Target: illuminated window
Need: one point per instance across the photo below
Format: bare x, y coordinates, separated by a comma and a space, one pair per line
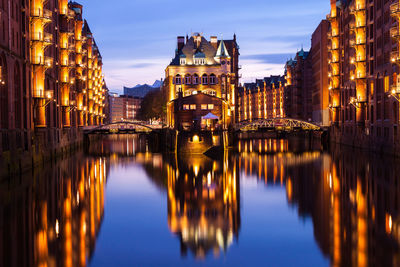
195, 79
210, 106
178, 79
213, 79
205, 79
386, 84
204, 107
186, 107
192, 107
187, 79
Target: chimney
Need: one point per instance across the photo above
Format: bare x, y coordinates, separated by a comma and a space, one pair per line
214, 41
181, 42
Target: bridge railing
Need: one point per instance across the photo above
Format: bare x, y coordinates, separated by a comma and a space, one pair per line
282, 124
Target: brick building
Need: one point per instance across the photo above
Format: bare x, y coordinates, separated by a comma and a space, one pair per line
51, 80
201, 67
363, 70
124, 108
320, 91
263, 99
298, 88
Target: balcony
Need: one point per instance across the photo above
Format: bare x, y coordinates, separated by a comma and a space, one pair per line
42, 61
395, 9
357, 43
394, 32
44, 14
44, 37
395, 57
356, 26
358, 9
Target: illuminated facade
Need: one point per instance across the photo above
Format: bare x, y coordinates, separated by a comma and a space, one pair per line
263, 99
204, 71
363, 58
51, 81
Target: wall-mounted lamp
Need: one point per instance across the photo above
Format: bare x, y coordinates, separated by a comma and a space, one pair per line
395, 94
356, 102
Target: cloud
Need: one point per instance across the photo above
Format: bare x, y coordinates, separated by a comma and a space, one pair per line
270, 58
141, 65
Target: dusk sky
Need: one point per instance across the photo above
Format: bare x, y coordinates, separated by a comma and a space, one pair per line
137, 38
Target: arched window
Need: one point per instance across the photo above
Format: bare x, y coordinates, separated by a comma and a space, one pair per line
213, 79
204, 79
17, 96
188, 79
195, 79
3, 93
178, 79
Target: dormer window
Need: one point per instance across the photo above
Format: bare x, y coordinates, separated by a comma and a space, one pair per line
199, 58
182, 59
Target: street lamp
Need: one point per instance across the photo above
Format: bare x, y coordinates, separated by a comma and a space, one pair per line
394, 94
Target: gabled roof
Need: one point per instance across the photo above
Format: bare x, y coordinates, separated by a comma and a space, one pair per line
222, 51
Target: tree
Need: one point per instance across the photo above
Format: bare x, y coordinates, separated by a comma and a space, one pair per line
153, 106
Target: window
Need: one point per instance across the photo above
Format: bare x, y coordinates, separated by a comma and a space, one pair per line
186, 107
203, 106
213, 79
195, 79
386, 84
183, 61
193, 107
204, 79
187, 79
210, 106
178, 79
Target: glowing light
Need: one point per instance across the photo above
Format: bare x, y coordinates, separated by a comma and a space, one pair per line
196, 139
57, 228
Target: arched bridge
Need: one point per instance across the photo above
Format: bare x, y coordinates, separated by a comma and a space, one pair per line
276, 124
122, 127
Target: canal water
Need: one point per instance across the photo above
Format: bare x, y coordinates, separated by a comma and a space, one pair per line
271, 203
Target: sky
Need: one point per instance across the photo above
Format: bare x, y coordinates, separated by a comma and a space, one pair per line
137, 38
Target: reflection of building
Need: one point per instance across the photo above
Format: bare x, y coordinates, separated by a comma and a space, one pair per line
57, 225
203, 205
202, 75
262, 99
124, 107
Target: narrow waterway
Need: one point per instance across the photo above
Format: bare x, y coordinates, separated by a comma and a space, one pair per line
270, 204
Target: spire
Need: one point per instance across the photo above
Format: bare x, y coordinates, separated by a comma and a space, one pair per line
222, 51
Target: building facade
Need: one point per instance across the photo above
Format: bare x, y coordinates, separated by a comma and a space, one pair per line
202, 70
51, 81
363, 70
320, 92
124, 108
298, 88
263, 99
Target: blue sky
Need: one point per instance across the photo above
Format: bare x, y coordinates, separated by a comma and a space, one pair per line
137, 38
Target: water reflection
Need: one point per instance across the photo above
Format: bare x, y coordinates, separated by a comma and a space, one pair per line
52, 218
203, 204
351, 200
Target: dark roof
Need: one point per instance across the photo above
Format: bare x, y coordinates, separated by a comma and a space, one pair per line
139, 91
205, 49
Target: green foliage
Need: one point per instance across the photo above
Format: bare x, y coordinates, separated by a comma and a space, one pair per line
153, 106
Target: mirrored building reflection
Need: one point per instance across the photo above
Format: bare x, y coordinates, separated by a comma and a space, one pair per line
52, 218
203, 204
